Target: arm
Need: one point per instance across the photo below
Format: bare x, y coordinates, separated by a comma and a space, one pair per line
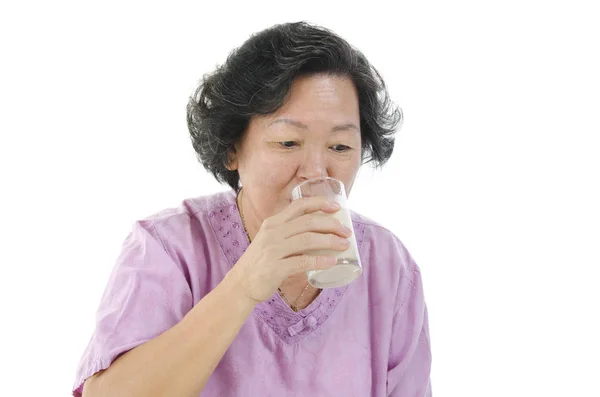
409, 365
151, 340
180, 361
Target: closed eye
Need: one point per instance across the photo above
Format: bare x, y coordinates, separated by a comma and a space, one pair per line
288, 144
340, 148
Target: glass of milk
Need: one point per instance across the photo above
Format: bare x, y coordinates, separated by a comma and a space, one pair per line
348, 266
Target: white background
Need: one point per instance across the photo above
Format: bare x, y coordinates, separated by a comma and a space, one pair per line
493, 186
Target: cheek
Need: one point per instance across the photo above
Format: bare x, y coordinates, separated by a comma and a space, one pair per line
277, 175
346, 169
270, 172
269, 181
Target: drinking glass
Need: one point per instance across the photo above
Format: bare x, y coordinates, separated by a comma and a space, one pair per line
348, 266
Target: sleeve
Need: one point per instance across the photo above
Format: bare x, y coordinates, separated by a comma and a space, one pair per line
409, 363
147, 294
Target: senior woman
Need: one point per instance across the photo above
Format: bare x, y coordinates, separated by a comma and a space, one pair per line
212, 299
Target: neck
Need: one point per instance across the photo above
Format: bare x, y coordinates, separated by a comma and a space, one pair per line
251, 222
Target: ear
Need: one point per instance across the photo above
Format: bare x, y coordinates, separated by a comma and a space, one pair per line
232, 159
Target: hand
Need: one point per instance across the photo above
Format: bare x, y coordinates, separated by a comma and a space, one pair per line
278, 250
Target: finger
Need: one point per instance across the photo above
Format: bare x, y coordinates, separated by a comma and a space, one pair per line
319, 223
310, 241
304, 263
308, 205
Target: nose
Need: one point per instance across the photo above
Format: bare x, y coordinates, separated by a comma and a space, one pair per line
314, 164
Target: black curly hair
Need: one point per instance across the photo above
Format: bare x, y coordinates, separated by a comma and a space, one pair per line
256, 79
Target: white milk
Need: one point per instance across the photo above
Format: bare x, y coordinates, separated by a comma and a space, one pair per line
348, 266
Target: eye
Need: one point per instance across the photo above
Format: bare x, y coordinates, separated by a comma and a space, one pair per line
288, 144
341, 148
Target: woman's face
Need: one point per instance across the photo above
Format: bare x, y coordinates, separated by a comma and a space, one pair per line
316, 133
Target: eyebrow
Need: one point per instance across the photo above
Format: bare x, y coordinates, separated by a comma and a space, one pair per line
342, 127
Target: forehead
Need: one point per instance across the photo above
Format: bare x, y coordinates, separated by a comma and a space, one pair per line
320, 93
317, 101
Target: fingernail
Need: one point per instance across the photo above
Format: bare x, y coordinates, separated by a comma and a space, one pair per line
334, 204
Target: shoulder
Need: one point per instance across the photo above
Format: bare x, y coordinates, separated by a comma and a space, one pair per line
388, 266
196, 207
381, 238
181, 228
195, 210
